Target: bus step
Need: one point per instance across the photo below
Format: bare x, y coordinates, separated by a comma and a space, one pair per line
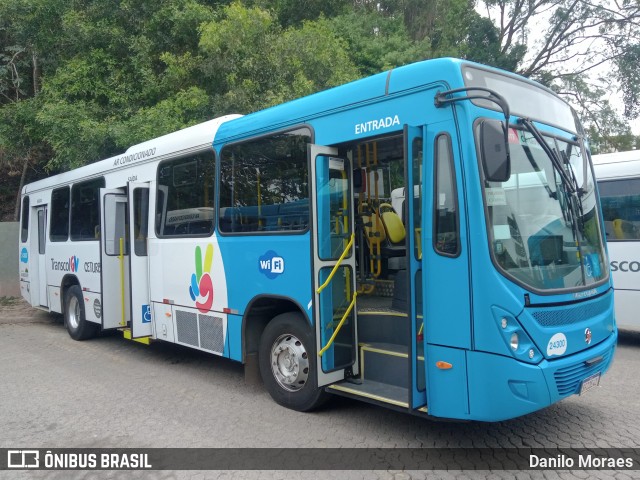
380, 325
385, 363
378, 391
126, 332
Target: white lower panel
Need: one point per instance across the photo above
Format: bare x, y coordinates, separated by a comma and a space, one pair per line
204, 331
55, 302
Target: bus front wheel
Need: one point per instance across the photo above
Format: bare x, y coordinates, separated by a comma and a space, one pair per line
74, 318
288, 363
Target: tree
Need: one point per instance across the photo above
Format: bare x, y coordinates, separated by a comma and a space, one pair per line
574, 39
251, 62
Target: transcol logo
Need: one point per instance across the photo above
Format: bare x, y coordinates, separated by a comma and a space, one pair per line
201, 288
70, 265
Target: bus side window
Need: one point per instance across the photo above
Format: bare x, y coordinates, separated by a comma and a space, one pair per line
24, 234
140, 220
620, 201
85, 209
185, 195
446, 235
59, 225
264, 184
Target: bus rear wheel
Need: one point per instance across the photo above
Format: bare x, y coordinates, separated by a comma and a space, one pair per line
74, 318
288, 363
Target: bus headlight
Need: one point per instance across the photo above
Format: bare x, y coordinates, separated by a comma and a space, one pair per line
514, 342
516, 339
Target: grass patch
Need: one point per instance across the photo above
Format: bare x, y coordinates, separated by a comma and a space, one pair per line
7, 301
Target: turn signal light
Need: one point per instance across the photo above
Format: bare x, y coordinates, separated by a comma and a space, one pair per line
443, 365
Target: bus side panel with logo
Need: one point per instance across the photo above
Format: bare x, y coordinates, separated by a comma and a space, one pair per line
618, 177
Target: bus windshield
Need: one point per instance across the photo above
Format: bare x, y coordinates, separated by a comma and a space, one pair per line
543, 223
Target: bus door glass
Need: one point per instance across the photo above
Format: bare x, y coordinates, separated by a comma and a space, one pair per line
41, 216
138, 200
445, 273
414, 155
114, 258
334, 265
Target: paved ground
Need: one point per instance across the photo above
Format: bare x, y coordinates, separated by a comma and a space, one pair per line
108, 392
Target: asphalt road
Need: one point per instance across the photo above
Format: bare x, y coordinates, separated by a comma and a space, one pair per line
108, 392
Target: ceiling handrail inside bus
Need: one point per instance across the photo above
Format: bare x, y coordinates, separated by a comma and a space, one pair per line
335, 267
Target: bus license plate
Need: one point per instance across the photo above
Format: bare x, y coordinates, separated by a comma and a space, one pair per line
589, 383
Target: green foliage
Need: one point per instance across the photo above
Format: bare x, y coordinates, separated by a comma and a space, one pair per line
185, 108
629, 75
376, 42
81, 80
19, 130
483, 46
295, 12
251, 62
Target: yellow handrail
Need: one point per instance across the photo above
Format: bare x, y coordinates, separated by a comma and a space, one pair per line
335, 267
121, 258
335, 332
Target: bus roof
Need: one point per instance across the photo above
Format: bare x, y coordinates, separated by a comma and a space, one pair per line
343, 97
231, 128
617, 165
359, 92
617, 157
188, 140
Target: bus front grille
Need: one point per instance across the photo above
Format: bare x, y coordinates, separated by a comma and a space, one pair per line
568, 379
557, 316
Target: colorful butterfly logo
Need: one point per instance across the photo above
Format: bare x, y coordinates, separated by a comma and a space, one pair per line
201, 288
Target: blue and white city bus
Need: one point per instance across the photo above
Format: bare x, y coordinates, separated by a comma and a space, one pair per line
480, 291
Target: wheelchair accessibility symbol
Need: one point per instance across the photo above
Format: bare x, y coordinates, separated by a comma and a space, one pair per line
146, 314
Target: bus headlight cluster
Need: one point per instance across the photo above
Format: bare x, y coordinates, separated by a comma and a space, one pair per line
514, 342
516, 338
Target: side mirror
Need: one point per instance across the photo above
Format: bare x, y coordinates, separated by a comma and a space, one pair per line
494, 146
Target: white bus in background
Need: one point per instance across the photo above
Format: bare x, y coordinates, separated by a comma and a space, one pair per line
618, 176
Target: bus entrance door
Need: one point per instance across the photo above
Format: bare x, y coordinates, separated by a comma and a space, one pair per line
114, 258
413, 148
138, 199
41, 218
446, 292
334, 266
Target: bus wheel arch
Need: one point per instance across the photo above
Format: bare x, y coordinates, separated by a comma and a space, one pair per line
67, 282
288, 362
259, 312
75, 319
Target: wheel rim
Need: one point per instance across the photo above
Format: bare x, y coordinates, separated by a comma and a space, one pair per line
73, 312
289, 362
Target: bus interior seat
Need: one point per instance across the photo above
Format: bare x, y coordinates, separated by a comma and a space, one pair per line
393, 225
617, 229
394, 232
623, 229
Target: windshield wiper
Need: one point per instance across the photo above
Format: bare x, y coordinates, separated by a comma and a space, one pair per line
536, 168
570, 185
557, 163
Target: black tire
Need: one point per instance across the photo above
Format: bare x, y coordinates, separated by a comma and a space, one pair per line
287, 357
74, 319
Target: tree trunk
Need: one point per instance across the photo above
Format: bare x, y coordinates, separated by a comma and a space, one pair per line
35, 73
